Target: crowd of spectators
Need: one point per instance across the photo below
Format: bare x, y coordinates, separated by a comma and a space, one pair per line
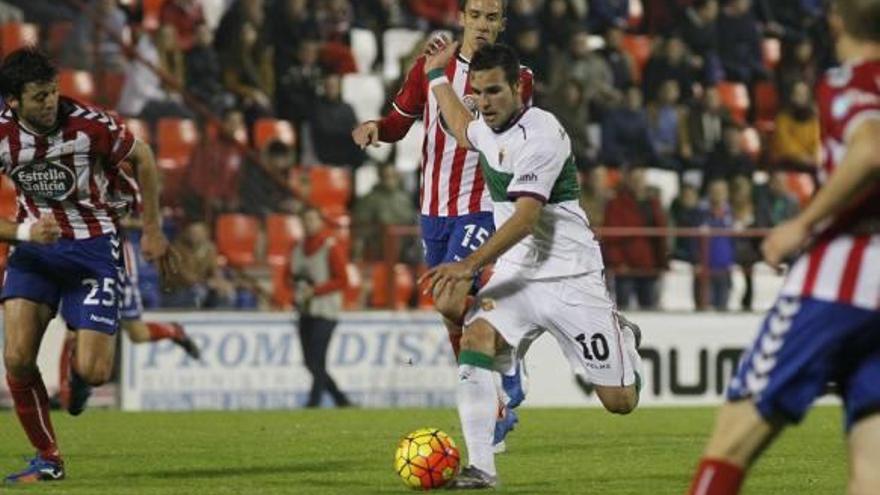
626, 111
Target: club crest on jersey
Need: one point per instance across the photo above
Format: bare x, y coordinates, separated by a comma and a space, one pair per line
45, 180
487, 304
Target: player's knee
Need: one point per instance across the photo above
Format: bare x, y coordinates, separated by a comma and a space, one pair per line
618, 400
19, 362
450, 304
95, 373
479, 337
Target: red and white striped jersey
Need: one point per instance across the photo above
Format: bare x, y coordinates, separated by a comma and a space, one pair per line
451, 180
67, 172
842, 266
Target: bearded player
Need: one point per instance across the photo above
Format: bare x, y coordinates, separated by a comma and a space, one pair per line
456, 211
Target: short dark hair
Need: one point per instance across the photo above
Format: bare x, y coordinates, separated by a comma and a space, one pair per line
861, 18
462, 4
497, 55
24, 66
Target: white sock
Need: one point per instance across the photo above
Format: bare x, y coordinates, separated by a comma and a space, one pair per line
477, 409
631, 353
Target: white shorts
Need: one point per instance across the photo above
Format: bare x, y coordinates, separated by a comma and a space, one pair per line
576, 310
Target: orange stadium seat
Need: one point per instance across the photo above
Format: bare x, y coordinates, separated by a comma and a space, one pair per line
8, 203
236, 237
140, 129
173, 178
401, 285
14, 35
110, 85
57, 36
425, 300
77, 84
282, 291
176, 138
282, 234
735, 97
639, 48
330, 189
266, 129
766, 105
351, 295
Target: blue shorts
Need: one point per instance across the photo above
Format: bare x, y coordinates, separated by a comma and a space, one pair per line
803, 345
446, 239
82, 276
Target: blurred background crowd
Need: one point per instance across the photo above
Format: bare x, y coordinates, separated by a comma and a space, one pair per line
691, 114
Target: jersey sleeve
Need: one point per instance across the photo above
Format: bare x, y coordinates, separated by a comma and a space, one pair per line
407, 105
527, 85
478, 134
536, 168
112, 139
866, 109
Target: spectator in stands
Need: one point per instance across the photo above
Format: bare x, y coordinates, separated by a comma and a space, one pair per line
519, 12
788, 19
88, 47
227, 36
664, 117
625, 138
774, 203
728, 160
797, 64
703, 127
717, 214
534, 54
796, 140
318, 268
570, 107
334, 18
671, 61
249, 75
662, 16
559, 22
185, 16
213, 171
435, 14
298, 86
595, 194
203, 73
331, 125
700, 33
589, 69
746, 249
620, 62
144, 94
10, 13
636, 261
387, 204
203, 283
290, 22
607, 13
685, 213
267, 190
740, 43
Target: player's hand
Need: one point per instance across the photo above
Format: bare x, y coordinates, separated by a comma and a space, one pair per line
45, 230
436, 279
783, 241
438, 51
366, 134
156, 249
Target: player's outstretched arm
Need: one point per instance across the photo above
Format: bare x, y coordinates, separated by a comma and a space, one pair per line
437, 54
153, 243
859, 169
43, 231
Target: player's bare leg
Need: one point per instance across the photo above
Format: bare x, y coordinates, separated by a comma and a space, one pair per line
92, 365
25, 323
864, 478
477, 408
740, 435
623, 400
140, 331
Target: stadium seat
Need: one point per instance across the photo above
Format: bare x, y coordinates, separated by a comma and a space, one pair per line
666, 181
397, 43
735, 97
330, 189
110, 84
425, 301
365, 93
766, 105
282, 291
364, 48
365, 178
77, 84
409, 150
267, 129
236, 237
771, 50
352, 294
392, 291
282, 234
151, 10
8, 202
751, 142
176, 138
173, 180
14, 35
639, 48
57, 36
140, 129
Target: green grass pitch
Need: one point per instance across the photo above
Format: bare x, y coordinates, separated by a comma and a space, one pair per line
553, 451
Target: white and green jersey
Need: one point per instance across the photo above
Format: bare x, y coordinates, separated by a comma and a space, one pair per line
532, 157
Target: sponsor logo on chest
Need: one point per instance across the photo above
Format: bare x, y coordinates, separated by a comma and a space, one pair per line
45, 180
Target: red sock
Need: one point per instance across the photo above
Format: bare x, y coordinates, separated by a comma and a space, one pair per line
716, 477
64, 371
160, 331
32, 408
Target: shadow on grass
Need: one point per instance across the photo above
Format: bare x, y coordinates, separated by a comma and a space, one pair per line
250, 471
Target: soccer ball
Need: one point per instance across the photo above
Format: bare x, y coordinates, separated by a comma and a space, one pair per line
426, 458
